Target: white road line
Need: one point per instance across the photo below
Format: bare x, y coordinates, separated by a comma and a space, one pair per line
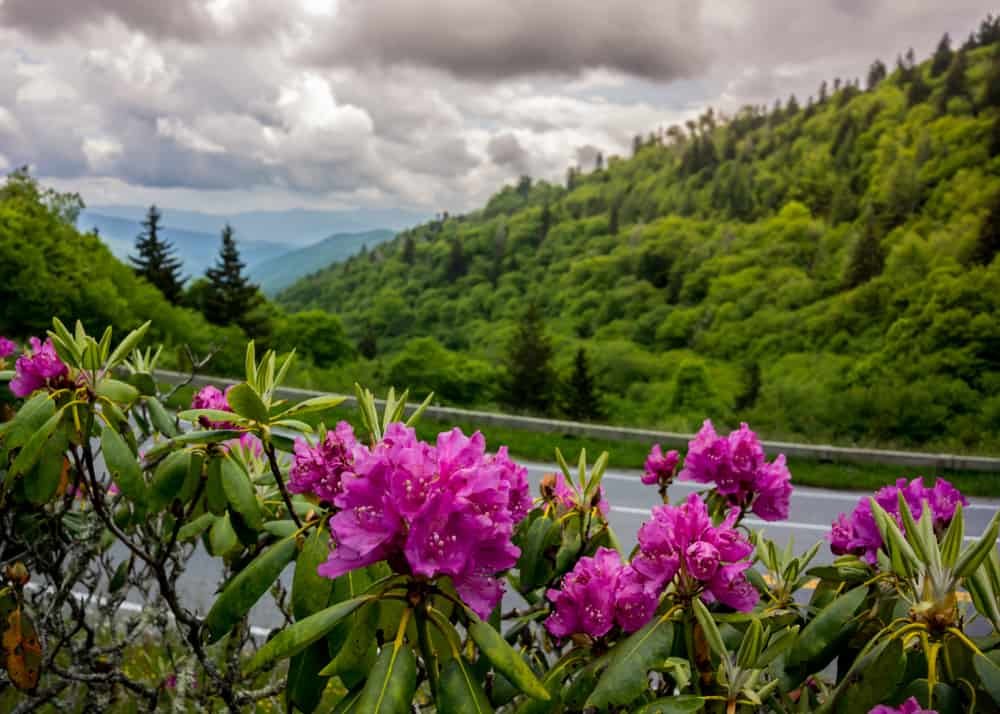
756, 522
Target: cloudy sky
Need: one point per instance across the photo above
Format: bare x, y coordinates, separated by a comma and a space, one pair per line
227, 105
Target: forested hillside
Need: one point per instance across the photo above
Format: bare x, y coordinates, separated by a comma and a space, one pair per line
824, 268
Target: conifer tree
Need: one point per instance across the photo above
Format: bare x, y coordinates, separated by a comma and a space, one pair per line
954, 82
457, 265
991, 96
409, 250
582, 403
156, 260
988, 241
230, 296
876, 73
529, 366
942, 57
918, 91
544, 223
867, 258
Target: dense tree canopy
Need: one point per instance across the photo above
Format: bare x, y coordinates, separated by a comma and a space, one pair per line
838, 256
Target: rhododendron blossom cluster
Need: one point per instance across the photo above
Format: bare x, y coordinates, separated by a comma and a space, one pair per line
858, 533
210, 397
680, 545
7, 347
599, 593
429, 511
318, 469
659, 467
739, 470
38, 367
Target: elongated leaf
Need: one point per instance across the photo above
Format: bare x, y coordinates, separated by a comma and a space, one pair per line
297, 637
460, 692
160, 417
215, 496
246, 402
28, 420
42, 483
210, 415
506, 660
241, 494
196, 527
316, 404
130, 342
310, 590
305, 687
117, 391
532, 564
123, 465
875, 682
168, 480
627, 676
684, 704
973, 556
222, 538
989, 676
246, 588
29, 454
951, 544
209, 436
392, 682
819, 639
709, 628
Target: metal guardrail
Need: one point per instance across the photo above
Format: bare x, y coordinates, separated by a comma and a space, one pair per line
932, 463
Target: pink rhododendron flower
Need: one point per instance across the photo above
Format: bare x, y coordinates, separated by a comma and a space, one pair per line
737, 466
317, 470
859, 535
599, 593
448, 509
38, 367
660, 467
910, 706
7, 347
209, 397
680, 545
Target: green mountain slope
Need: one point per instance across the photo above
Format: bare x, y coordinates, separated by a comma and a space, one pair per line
822, 269
281, 271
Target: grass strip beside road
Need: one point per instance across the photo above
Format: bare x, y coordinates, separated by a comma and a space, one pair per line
630, 455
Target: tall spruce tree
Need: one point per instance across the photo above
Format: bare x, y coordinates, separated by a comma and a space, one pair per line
582, 403
156, 260
529, 366
954, 84
867, 257
876, 73
942, 56
230, 296
988, 241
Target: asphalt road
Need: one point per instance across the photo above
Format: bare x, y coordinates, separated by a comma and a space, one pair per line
812, 512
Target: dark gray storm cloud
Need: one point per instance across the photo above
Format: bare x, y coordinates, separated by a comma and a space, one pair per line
490, 40
505, 150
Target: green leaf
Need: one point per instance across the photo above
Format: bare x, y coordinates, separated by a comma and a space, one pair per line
28, 420
392, 682
241, 494
750, 645
29, 454
196, 527
353, 640
222, 538
42, 483
211, 415
160, 417
820, 639
572, 541
974, 555
310, 590
683, 704
304, 687
246, 402
144, 382
626, 677
777, 645
532, 564
117, 391
951, 544
316, 404
215, 497
505, 659
131, 340
873, 681
123, 465
710, 629
295, 638
246, 588
209, 436
168, 480
460, 692
989, 676
120, 577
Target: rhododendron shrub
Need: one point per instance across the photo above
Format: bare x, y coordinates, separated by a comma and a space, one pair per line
431, 574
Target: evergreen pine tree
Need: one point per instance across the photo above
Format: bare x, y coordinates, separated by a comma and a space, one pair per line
918, 91
942, 57
529, 364
230, 296
409, 250
368, 344
582, 403
867, 258
457, 265
988, 241
991, 95
954, 82
876, 73
544, 223
156, 260
599, 162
